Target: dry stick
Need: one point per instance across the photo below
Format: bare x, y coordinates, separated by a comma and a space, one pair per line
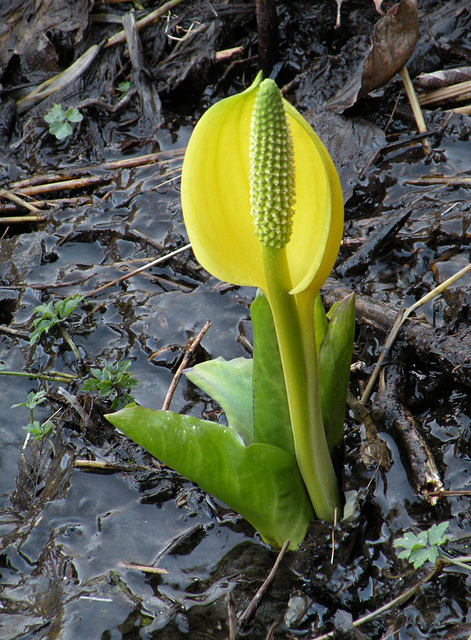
247, 615
21, 219
451, 492
460, 91
110, 466
4, 328
466, 110
17, 200
183, 364
159, 157
271, 631
54, 84
401, 318
231, 617
136, 271
448, 180
153, 15
414, 103
144, 568
389, 605
77, 183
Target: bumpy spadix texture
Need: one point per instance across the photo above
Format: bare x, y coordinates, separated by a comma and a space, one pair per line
216, 198
272, 183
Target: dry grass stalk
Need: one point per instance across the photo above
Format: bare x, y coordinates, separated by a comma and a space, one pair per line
460, 91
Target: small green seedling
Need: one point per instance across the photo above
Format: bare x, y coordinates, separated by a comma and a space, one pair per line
60, 120
423, 547
51, 314
35, 428
35, 398
39, 431
124, 87
114, 381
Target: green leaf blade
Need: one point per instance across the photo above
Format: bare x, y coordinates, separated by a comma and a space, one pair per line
229, 383
260, 481
335, 357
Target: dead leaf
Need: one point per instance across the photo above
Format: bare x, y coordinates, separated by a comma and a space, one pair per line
25, 25
443, 78
393, 42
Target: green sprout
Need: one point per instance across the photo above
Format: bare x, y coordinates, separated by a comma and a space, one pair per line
60, 120
262, 205
52, 314
124, 87
35, 428
422, 547
113, 381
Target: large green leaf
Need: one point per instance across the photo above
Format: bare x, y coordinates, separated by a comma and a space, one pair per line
335, 357
272, 424
230, 384
260, 481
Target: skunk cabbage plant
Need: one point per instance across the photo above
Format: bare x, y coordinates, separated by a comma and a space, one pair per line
262, 205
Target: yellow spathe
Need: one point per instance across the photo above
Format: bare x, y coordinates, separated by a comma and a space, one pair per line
216, 198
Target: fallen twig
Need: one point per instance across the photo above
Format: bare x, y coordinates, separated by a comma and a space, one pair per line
458, 91
414, 103
136, 271
231, 616
249, 612
61, 80
144, 568
22, 219
448, 180
17, 200
184, 363
159, 157
65, 185
422, 465
111, 466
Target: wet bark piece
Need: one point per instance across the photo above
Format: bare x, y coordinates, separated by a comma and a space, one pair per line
393, 42
422, 467
268, 38
26, 23
149, 100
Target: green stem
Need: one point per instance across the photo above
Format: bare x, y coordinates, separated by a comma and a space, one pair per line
301, 382
71, 343
59, 377
316, 437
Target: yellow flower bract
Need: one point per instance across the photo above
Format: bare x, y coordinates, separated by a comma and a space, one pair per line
216, 198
